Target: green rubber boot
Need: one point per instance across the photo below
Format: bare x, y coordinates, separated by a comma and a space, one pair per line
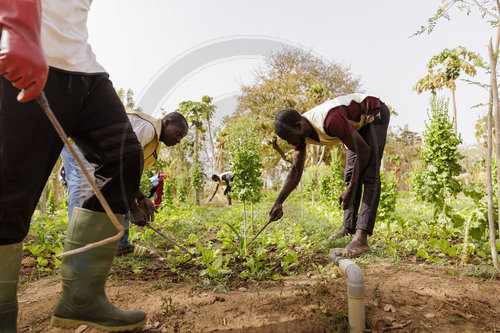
10, 263
83, 300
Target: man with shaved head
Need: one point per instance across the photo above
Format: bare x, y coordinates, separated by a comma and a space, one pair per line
360, 122
150, 131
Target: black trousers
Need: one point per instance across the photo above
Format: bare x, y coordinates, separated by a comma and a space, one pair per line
368, 191
91, 113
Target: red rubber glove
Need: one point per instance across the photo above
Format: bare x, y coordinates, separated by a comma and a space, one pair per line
22, 60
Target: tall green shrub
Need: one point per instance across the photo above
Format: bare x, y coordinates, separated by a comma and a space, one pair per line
182, 189
196, 176
168, 192
388, 197
437, 183
246, 166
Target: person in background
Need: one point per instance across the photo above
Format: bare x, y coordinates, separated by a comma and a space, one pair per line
223, 179
156, 193
360, 122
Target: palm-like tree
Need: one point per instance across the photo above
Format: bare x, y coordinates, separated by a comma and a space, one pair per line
444, 70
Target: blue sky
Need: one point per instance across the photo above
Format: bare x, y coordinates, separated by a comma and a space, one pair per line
135, 39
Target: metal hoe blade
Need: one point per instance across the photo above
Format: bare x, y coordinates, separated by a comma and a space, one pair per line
171, 242
264, 227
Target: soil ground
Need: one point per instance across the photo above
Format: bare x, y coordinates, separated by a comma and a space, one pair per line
406, 298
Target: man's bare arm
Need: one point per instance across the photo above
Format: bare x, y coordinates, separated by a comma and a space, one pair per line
213, 195
355, 143
291, 182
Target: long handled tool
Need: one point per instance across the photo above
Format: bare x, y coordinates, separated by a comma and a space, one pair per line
44, 104
264, 227
171, 242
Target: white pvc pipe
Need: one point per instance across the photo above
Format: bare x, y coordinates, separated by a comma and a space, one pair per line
355, 292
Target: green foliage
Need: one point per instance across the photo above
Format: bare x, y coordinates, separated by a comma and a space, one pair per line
246, 165
51, 203
297, 244
145, 184
439, 153
388, 197
168, 192
310, 181
449, 64
216, 266
46, 239
487, 8
196, 175
196, 112
182, 187
331, 180
289, 260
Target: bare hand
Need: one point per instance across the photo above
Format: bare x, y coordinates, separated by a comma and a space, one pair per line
137, 216
346, 199
148, 208
276, 212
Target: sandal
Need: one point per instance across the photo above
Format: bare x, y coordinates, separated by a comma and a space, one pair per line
350, 253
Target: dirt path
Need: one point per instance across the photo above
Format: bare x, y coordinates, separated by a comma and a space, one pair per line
415, 298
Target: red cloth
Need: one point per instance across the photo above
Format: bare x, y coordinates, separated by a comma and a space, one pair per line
159, 191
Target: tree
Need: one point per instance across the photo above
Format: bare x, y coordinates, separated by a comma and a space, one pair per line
198, 114
296, 79
445, 68
127, 98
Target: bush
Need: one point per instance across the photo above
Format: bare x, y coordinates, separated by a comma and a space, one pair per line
439, 153
388, 197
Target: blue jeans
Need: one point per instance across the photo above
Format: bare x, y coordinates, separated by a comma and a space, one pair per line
79, 189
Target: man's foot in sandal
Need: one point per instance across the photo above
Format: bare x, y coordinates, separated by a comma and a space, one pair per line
354, 249
357, 246
342, 233
337, 251
136, 251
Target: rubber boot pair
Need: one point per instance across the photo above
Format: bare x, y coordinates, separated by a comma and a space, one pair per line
10, 263
83, 299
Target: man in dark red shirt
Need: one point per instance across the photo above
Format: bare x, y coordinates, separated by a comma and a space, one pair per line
360, 122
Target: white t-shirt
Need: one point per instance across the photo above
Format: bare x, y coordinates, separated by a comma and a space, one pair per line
144, 130
64, 36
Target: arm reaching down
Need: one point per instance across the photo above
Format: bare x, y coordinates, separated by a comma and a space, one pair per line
213, 195
355, 143
291, 182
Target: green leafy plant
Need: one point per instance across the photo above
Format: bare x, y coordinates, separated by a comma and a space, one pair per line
215, 265
182, 189
168, 192
438, 182
289, 260
331, 179
388, 197
246, 165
